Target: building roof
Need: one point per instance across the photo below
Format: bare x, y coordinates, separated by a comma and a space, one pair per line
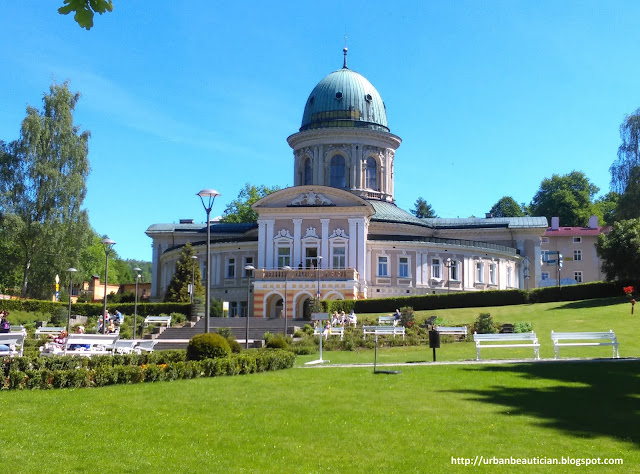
388, 212
576, 231
344, 98
216, 228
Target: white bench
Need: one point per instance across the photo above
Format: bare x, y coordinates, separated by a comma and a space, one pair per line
522, 339
334, 331
15, 341
452, 331
387, 320
49, 331
383, 331
134, 346
18, 328
556, 337
145, 345
157, 320
98, 344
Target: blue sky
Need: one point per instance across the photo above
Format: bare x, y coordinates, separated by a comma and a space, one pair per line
489, 97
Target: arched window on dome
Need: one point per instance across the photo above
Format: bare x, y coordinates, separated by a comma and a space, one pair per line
337, 172
306, 171
371, 176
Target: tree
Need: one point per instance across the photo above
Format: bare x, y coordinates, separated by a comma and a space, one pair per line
422, 209
628, 205
186, 268
620, 250
628, 152
567, 197
42, 187
239, 210
507, 207
85, 10
605, 208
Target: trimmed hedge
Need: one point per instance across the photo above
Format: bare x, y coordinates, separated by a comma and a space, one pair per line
95, 309
472, 299
72, 372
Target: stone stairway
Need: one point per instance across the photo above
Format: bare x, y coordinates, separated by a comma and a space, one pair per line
174, 338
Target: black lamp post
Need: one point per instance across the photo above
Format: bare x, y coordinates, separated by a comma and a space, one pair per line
135, 308
249, 269
210, 194
318, 259
526, 272
193, 276
448, 263
71, 271
108, 244
286, 269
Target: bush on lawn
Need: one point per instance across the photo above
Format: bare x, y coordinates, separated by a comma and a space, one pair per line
207, 346
485, 325
522, 326
279, 341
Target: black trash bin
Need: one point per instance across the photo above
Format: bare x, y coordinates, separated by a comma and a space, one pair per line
434, 339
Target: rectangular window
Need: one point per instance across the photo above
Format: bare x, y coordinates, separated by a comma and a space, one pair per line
577, 255
545, 276
339, 257
247, 261
403, 267
383, 266
492, 273
545, 240
284, 257
243, 309
435, 269
577, 276
453, 270
479, 272
231, 268
577, 240
233, 309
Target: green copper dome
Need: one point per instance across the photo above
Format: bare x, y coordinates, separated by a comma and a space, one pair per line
344, 99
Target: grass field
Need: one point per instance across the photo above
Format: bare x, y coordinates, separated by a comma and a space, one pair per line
333, 419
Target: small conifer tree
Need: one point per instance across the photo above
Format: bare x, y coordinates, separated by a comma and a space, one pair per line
186, 269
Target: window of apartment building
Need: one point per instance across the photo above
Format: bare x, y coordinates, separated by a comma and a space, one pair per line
577, 276
544, 276
545, 255
454, 270
435, 269
577, 255
577, 240
339, 257
479, 272
403, 267
231, 268
284, 256
233, 309
247, 261
243, 309
545, 240
492, 273
383, 266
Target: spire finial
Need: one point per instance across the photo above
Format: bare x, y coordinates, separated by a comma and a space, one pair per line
344, 50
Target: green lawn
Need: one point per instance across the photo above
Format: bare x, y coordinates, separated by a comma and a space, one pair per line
332, 419
349, 419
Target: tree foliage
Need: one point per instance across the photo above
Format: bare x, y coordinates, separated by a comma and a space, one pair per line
239, 210
42, 186
605, 208
85, 10
568, 197
422, 209
507, 207
186, 269
620, 250
628, 152
628, 205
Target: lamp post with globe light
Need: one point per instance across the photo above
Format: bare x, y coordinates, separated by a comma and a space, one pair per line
135, 308
71, 271
210, 195
249, 269
286, 269
108, 245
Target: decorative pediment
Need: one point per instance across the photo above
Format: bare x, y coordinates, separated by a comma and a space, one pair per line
339, 233
283, 234
311, 199
311, 232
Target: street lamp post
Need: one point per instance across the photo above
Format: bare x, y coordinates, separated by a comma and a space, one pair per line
249, 269
318, 260
210, 194
71, 271
448, 263
286, 269
193, 275
108, 244
526, 272
135, 308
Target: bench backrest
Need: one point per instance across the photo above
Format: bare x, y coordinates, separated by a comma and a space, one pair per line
518, 336
50, 330
386, 319
107, 340
146, 345
10, 338
582, 335
453, 330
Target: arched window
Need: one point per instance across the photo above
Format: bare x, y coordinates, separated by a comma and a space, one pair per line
337, 172
371, 178
306, 174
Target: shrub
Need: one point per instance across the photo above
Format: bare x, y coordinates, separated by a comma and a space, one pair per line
485, 325
307, 329
523, 326
207, 346
225, 332
278, 341
408, 317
